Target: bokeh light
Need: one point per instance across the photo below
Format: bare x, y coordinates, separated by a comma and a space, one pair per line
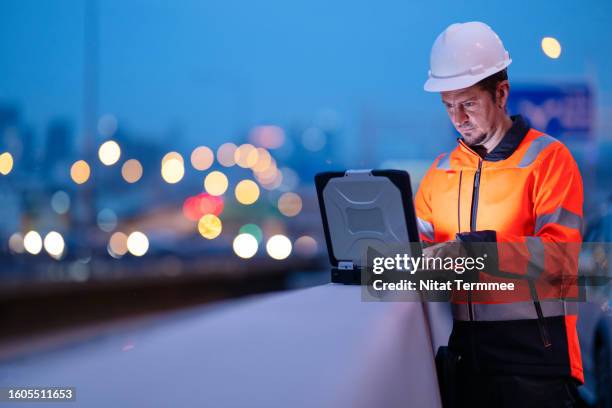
210, 226
131, 171
196, 207
117, 245
137, 243
270, 137
264, 160
268, 174
202, 158
273, 226
225, 154
306, 246
173, 155
109, 152
245, 246
216, 183
247, 192
54, 244
290, 180
60, 202
107, 125
270, 178
253, 230
246, 156
173, 168
32, 242
290, 204
314, 139
107, 220
6, 163
16, 243
80, 172
278, 247
551, 47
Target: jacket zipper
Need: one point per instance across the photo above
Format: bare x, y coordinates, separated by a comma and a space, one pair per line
473, 214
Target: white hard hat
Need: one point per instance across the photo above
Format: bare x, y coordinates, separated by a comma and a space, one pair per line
464, 54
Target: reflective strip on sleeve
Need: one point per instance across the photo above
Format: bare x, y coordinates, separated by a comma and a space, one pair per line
426, 228
512, 311
536, 257
444, 162
560, 216
535, 148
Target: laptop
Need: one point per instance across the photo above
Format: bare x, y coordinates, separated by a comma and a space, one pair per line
365, 212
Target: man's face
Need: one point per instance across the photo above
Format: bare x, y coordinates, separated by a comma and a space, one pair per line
473, 113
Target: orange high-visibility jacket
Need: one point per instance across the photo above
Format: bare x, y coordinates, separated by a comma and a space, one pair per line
525, 198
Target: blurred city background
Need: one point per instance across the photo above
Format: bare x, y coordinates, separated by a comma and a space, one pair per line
167, 140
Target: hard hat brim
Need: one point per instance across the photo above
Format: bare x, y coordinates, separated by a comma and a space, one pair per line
436, 84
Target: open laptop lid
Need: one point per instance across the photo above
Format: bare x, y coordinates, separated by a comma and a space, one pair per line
365, 208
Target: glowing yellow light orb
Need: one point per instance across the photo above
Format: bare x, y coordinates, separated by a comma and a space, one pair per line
247, 192
216, 183
210, 226
6, 163
80, 172
172, 171
551, 47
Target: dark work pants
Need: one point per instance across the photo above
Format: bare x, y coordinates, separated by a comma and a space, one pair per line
505, 391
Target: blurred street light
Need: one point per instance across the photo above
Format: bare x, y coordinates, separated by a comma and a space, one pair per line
80, 172
247, 192
173, 168
551, 47
118, 244
278, 247
60, 202
107, 220
246, 156
216, 183
210, 226
290, 204
225, 154
6, 163
131, 171
109, 152
202, 158
32, 242
270, 137
137, 243
245, 246
306, 246
54, 244
16, 243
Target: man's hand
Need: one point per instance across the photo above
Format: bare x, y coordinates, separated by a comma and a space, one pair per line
450, 249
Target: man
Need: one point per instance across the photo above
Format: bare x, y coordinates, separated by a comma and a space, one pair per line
520, 191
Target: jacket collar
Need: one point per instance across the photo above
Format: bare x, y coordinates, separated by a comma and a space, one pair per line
511, 140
